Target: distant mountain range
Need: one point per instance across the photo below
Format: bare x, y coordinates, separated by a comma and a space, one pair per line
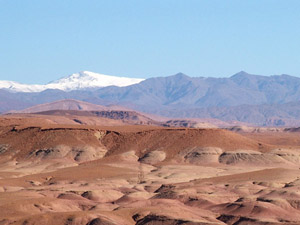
256, 99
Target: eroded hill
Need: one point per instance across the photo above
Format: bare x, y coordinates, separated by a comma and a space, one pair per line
87, 174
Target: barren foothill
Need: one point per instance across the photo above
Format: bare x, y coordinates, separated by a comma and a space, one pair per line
53, 171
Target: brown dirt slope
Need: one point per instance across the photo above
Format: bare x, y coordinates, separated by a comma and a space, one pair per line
24, 140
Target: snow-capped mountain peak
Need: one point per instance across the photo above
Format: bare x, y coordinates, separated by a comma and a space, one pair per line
76, 81
86, 79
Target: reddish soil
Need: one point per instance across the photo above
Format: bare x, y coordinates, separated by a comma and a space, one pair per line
53, 171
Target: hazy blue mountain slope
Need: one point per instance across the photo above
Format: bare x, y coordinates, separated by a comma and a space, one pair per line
183, 91
287, 114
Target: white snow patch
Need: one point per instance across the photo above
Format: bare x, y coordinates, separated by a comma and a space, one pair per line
76, 81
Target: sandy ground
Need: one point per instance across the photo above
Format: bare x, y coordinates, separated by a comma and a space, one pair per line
72, 174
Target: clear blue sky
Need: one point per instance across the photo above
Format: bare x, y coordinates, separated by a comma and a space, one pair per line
43, 40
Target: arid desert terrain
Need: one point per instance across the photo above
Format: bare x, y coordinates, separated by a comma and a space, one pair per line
54, 170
